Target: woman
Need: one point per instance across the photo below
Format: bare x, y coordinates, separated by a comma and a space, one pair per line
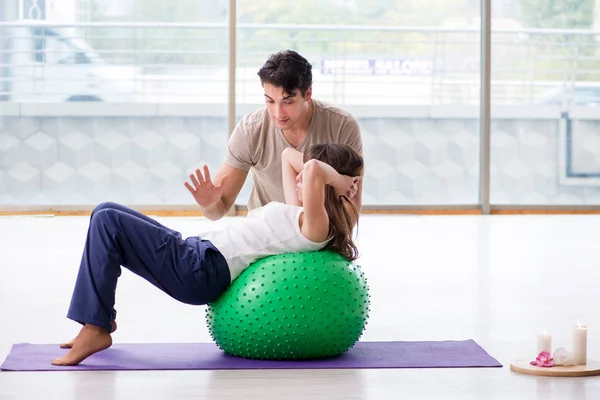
317, 214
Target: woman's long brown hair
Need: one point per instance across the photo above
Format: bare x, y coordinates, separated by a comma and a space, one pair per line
346, 161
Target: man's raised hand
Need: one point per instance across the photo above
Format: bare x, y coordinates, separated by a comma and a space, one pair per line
203, 190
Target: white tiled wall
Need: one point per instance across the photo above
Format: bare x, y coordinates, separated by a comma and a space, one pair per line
144, 160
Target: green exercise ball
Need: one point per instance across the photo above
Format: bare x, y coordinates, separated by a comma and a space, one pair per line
292, 306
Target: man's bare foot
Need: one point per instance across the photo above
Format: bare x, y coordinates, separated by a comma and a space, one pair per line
69, 344
91, 339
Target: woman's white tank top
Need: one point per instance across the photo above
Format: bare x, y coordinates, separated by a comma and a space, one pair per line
268, 230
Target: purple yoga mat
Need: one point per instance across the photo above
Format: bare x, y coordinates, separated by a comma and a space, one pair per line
178, 356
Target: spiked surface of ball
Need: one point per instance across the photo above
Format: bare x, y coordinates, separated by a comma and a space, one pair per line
292, 306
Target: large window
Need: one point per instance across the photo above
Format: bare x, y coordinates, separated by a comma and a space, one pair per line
142, 92
122, 99
545, 105
408, 71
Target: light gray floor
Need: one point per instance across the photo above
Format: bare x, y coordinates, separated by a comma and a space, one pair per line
499, 280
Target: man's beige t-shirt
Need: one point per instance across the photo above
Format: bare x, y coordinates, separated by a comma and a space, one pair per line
257, 144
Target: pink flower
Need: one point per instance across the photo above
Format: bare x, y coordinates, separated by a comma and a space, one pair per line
544, 359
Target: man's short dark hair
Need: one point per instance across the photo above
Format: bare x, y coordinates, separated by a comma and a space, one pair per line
287, 69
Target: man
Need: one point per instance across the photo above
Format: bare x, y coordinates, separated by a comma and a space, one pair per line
291, 118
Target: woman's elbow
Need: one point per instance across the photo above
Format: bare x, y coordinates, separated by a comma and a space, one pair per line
311, 168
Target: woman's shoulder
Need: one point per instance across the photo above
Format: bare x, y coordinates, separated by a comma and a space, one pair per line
274, 206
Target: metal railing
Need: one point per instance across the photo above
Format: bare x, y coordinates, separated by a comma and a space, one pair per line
374, 65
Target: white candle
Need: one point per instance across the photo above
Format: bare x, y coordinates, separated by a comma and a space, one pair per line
544, 342
580, 344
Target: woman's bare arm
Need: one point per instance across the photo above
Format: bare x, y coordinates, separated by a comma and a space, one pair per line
316, 176
291, 165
